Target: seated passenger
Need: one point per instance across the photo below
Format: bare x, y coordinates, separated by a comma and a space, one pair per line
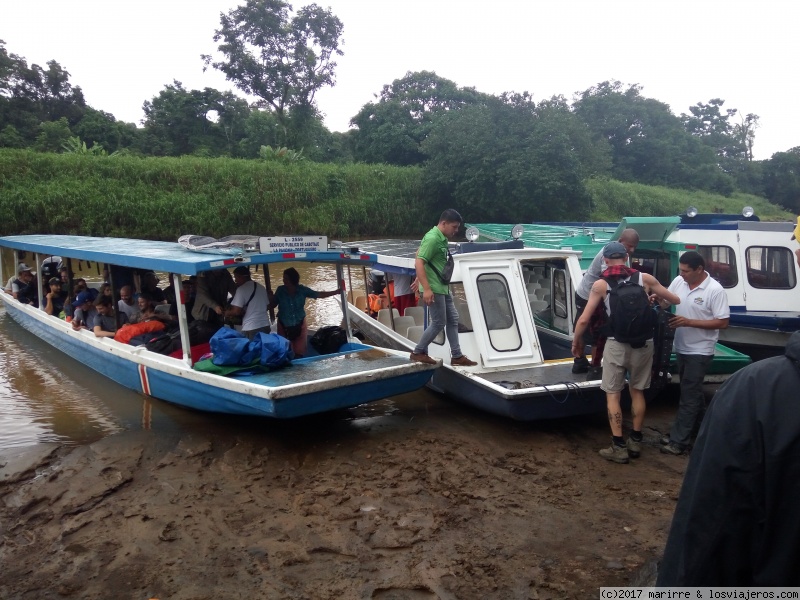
85, 311
25, 287
127, 304
56, 298
105, 323
149, 286
147, 310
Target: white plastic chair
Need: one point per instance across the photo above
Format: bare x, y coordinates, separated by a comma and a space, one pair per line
415, 333
418, 312
383, 316
361, 303
537, 305
401, 324
163, 308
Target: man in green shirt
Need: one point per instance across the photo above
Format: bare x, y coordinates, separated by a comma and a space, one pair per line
442, 313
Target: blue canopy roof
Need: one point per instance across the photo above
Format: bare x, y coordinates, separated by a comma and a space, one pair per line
168, 257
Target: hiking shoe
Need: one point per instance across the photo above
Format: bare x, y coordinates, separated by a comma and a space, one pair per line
580, 365
423, 358
634, 447
462, 361
594, 373
617, 454
673, 449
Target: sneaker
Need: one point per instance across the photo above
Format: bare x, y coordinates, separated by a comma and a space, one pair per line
634, 447
663, 440
423, 358
617, 454
462, 361
673, 449
594, 373
580, 365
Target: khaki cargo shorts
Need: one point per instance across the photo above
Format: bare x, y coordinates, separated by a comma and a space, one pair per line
619, 358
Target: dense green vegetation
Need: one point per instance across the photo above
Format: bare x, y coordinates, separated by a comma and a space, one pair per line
613, 199
163, 198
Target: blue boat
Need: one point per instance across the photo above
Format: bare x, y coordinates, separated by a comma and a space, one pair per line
354, 375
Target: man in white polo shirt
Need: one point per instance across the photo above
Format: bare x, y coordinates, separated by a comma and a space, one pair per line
703, 311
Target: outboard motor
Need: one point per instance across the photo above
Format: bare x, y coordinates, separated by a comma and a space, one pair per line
377, 281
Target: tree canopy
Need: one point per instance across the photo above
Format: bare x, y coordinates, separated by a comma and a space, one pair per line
282, 60
392, 129
509, 159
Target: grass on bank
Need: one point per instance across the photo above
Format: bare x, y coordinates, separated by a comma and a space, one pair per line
163, 198
612, 200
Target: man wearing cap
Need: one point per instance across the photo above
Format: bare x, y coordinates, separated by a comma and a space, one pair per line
430, 263
620, 357
703, 311
250, 302
628, 238
25, 287
56, 298
85, 311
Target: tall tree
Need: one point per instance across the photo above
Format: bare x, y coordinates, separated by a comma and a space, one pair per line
745, 133
283, 60
509, 160
207, 122
31, 95
392, 129
714, 128
782, 179
648, 143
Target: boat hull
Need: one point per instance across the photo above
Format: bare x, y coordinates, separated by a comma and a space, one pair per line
535, 392
297, 389
726, 361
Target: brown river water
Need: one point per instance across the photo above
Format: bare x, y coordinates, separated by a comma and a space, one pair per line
46, 396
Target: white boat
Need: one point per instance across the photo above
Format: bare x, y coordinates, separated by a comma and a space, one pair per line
516, 310
755, 262
752, 259
354, 375
497, 312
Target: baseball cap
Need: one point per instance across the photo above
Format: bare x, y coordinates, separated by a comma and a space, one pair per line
54, 281
615, 250
241, 270
82, 298
22, 268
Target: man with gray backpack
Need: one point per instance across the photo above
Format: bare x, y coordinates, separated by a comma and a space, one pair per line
626, 294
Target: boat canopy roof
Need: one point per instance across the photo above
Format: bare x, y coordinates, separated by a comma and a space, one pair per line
398, 256
168, 257
579, 235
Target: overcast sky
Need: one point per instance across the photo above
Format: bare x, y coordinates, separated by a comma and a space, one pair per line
681, 52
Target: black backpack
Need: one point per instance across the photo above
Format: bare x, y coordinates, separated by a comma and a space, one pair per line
329, 339
632, 319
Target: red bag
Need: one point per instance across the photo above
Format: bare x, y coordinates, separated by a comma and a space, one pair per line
126, 332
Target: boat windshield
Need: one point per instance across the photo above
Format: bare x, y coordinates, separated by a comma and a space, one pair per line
498, 312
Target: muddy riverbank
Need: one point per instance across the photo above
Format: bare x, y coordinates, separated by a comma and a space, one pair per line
411, 498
